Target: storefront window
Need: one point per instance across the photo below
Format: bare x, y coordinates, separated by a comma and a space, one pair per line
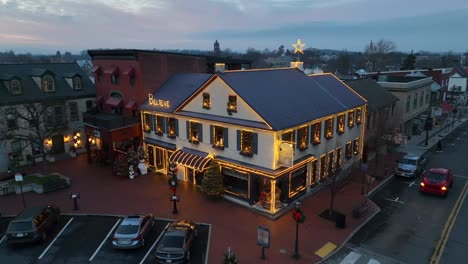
316, 130
236, 182
298, 179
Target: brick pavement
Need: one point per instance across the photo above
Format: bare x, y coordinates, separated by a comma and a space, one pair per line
232, 225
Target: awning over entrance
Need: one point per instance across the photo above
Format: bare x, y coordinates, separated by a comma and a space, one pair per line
131, 105
190, 158
114, 101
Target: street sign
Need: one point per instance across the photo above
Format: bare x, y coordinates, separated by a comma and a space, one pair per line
18, 177
263, 236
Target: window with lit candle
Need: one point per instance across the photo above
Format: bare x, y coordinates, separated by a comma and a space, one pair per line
194, 132
331, 168
246, 143
349, 150
159, 125
232, 104
172, 133
206, 101
304, 140
329, 128
351, 118
316, 127
340, 124
147, 123
338, 157
356, 146
323, 163
218, 137
358, 116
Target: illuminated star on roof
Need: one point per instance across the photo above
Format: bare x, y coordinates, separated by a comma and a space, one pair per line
298, 47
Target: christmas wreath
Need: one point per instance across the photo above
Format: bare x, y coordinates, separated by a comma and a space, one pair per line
298, 216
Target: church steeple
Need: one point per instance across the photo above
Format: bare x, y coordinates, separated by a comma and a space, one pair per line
217, 50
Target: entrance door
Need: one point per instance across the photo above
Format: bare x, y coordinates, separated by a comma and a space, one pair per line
151, 157
191, 175
160, 160
58, 145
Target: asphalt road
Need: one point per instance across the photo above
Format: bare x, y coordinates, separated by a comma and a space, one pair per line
87, 239
410, 225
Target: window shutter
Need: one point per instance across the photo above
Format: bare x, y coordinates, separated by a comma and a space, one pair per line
325, 130
211, 135
177, 127
200, 131
164, 124
299, 136
226, 138
238, 140
312, 131
152, 123
188, 129
255, 143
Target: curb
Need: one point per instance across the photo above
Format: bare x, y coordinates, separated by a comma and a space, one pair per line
381, 185
351, 235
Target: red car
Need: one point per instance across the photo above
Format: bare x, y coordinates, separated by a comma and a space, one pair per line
436, 181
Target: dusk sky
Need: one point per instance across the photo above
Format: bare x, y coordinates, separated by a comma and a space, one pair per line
45, 26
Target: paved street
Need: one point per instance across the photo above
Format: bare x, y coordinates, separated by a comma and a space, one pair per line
410, 224
87, 239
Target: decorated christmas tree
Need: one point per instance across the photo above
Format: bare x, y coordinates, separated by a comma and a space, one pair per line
212, 183
132, 158
121, 165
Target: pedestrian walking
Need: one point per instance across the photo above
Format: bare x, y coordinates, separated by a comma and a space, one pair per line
439, 146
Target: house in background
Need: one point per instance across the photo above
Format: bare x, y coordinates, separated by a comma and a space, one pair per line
457, 86
412, 108
123, 80
68, 90
381, 123
277, 133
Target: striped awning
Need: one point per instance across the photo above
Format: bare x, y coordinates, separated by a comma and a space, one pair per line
190, 158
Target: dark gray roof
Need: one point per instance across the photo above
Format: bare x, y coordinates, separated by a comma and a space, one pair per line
376, 95
32, 92
228, 120
176, 90
286, 98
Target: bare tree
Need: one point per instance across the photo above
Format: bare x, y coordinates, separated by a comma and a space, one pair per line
31, 124
377, 53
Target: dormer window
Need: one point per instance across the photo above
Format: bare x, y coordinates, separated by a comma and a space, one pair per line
340, 124
48, 84
77, 83
206, 101
15, 87
232, 104
358, 116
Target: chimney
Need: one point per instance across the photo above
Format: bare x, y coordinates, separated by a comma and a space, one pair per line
297, 64
220, 67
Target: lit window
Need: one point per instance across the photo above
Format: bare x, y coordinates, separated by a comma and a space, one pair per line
159, 125
232, 104
77, 139
246, 143
147, 123
76, 83
48, 83
218, 137
349, 150
323, 163
304, 139
338, 157
206, 101
15, 87
351, 118
340, 120
358, 116
329, 128
172, 126
356, 146
289, 137
316, 133
313, 172
331, 168
298, 180
194, 130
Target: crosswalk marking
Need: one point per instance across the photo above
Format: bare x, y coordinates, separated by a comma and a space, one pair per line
351, 258
373, 261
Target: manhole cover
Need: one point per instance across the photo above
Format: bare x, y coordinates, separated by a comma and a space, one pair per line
283, 251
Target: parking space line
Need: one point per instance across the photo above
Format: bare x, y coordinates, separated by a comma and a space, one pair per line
460, 176
104, 241
3, 238
53, 241
154, 244
208, 244
395, 200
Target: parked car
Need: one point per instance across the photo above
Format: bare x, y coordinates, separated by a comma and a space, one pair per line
176, 242
436, 181
33, 224
133, 231
410, 166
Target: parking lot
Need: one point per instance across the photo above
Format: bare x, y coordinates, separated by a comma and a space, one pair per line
85, 239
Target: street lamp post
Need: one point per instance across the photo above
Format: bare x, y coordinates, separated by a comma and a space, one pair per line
19, 179
173, 185
427, 126
299, 218
75, 197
